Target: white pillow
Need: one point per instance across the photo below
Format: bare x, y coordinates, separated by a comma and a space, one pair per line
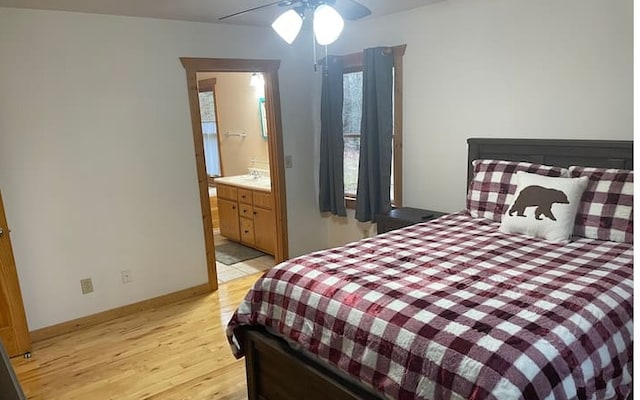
544, 207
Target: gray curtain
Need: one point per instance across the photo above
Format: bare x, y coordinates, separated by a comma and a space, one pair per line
374, 170
331, 139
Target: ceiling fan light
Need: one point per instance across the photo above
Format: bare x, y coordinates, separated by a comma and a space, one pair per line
327, 24
288, 25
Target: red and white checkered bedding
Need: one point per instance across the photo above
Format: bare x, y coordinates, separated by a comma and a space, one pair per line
454, 308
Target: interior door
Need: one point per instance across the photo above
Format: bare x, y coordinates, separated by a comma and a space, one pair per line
13, 323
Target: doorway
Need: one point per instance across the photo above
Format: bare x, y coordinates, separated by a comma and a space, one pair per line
272, 128
235, 137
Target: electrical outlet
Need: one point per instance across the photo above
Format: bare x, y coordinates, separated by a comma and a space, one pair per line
126, 276
87, 285
288, 161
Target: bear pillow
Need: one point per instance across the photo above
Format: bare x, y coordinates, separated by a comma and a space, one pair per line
544, 207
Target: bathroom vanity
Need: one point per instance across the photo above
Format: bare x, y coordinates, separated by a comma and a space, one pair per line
245, 206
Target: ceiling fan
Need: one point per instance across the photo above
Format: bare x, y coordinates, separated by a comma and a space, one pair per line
349, 9
327, 17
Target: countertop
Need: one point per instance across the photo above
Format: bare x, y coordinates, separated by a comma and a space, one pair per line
247, 182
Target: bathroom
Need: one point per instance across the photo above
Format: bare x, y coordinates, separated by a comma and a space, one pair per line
233, 117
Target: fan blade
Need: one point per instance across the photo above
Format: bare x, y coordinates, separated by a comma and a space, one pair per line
351, 9
280, 3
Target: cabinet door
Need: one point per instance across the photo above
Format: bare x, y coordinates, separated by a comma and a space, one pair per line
264, 223
13, 324
229, 224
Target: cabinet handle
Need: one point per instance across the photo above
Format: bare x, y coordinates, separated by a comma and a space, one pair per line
255, 212
233, 208
246, 231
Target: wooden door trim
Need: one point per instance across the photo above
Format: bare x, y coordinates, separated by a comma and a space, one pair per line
269, 68
9, 275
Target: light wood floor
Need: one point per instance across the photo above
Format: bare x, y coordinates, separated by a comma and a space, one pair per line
177, 351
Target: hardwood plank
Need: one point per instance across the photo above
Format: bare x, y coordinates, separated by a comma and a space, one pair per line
104, 316
175, 351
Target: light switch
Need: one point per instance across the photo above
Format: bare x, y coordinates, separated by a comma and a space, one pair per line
288, 161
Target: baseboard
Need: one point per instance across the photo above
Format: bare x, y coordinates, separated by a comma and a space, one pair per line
74, 325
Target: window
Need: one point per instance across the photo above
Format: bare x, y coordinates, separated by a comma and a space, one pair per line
351, 120
209, 127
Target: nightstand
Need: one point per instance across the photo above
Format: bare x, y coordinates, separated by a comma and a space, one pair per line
405, 216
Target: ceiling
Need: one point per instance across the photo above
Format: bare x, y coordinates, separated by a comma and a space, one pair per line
196, 10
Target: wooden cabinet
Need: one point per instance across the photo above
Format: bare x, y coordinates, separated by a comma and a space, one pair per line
264, 223
229, 224
215, 217
247, 216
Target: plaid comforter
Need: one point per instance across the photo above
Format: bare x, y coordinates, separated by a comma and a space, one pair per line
453, 308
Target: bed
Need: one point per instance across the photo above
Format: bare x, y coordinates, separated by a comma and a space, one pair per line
452, 308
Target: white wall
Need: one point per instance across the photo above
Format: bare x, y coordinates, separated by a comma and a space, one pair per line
96, 155
96, 160
299, 91
501, 68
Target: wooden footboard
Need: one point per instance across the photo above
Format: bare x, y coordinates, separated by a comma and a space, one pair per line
276, 372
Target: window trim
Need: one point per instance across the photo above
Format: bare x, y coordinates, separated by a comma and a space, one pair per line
204, 86
353, 63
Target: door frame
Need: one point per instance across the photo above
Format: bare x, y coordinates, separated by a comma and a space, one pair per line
269, 68
10, 291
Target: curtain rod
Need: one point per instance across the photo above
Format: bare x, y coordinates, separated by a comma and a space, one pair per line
385, 49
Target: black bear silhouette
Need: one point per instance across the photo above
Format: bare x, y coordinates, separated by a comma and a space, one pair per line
540, 197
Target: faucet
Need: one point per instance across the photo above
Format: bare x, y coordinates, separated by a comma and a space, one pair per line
256, 170
253, 171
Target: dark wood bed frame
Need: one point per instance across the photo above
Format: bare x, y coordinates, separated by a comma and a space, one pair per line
277, 372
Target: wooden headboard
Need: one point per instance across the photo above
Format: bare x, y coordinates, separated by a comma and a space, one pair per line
562, 153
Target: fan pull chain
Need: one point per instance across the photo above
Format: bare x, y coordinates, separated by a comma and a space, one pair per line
315, 54
326, 52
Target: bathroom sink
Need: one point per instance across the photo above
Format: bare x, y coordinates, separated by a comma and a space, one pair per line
250, 181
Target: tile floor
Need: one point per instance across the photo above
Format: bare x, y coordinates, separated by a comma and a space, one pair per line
227, 273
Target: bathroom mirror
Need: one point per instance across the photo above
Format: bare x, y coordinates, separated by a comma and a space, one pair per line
263, 116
